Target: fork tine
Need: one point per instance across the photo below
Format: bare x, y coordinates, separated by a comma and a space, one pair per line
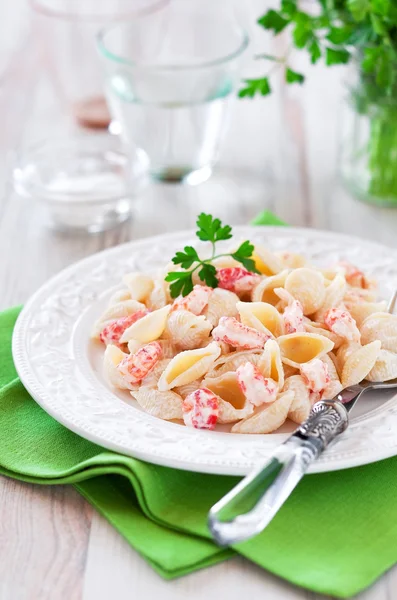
392, 303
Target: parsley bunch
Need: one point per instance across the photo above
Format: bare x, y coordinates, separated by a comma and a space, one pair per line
332, 30
209, 230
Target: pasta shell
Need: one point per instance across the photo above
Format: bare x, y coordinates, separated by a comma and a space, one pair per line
151, 380
139, 285
111, 359
333, 389
168, 348
119, 296
270, 364
289, 371
361, 310
306, 286
159, 296
264, 291
343, 354
261, 316
312, 327
188, 388
359, 363
164, 405
385, 367
133, 346
357, 294
188, 366
380, 326
298, 348
147, 329
186, 330
332, 371
268, 417
266, 262
116, 311
301, 404
334, 295
291, 260
221, 303
231, 362
233, 405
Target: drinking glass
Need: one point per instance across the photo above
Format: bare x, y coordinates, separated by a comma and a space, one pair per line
170, 79
66, 30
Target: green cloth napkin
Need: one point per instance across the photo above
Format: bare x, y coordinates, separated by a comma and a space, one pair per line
336, 534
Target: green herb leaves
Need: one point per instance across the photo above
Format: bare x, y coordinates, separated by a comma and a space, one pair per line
209, 230
293, 77
336, 57
369, 26
255, 86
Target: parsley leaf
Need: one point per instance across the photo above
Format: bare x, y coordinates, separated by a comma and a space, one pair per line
255, 86
186, 258
243, 254
358, 8
212, 230
314, 51
336, 57
293, 77
182, 283
339, 35
207, 273
274, 21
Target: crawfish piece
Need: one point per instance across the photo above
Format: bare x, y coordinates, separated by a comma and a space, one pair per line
201, 409
237, 279
135, 367
340, 322
355, 277
316, 376
195, 302
256, 388
234, 333
113, 331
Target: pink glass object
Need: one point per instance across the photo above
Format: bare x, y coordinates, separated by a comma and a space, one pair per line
66, 31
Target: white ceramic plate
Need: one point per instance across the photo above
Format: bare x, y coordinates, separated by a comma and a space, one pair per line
61, 367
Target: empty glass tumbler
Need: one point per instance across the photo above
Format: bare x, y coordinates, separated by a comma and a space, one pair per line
66, 31
170, 79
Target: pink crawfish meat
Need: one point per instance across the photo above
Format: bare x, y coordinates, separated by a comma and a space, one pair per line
316, 376
355, 277
293, 312
195, 302
113, 331
256, 388
201, 409
237, 279
135, 367
340, 322
232, 332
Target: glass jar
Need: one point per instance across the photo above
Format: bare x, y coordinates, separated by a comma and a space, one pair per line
368, 143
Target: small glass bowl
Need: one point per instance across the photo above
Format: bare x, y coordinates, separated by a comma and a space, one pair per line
86, 183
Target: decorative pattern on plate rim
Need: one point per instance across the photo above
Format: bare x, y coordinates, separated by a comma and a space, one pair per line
48, 334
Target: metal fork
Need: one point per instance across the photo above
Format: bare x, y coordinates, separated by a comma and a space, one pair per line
259, 496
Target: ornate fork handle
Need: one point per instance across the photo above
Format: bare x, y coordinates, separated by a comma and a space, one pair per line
327, 420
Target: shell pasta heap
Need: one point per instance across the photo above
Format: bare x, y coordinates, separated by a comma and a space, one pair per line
258, 349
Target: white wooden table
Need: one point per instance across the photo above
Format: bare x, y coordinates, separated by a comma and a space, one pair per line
280, 154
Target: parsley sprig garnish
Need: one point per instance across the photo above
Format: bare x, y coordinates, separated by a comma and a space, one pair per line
209, 230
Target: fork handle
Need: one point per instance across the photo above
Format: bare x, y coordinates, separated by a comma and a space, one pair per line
291, 460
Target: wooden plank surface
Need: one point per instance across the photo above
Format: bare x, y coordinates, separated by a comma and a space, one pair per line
280, 154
